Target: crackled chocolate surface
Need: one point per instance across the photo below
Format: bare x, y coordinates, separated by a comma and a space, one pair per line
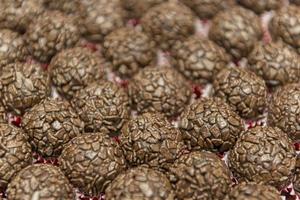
66, 6
261, 6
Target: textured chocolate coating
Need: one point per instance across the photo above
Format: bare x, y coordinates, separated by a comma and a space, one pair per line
297, 2
296, 179
263, 155
200, 175
199, 59
91, 162
128, 50
284, 110
73, 69
51, 124
261, 5
140, 183
237, 30
22, 86
275, 63
15, 152
245, 92
40, 181
168, 23
211, 124
150, 139
159, 89
65, 6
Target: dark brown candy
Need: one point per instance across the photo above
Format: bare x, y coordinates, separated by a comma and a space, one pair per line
297, 2
128, 50
237, 30
140, 183
284, 110
245, 92
22, 86
168, 23
262, 6
91, 162
263, 155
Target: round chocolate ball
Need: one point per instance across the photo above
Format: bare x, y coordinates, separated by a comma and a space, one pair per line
297, 2
199, 59
22, 86
245, 92
237, 30
261, 6
128, 50
168, 23
150, 139
284, 110
140, 183
159, 89
51, 124
263, 155
15, 153
91, 162
103, 107
73, 69
200, 175
211, 124
40, 181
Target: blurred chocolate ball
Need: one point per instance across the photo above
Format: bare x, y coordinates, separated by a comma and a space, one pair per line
200, 175
284, 110
199, 59
263, 155
91, 162
22, 86
237, 30
261, 6
297, 2
40, 181
168, 23
129, 50
159, 89
73, 69
245, 92
140, 183
103, 107
15, 153
211, 124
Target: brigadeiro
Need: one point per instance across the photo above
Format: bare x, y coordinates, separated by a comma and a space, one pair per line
263, 155
284, 110
159, 89
128, 50
211, 124
200, 175
91, 162
199, 59
245, 92
140, 183
237, 30
22, 86
73, 69
168, 23
15, 153
261, 6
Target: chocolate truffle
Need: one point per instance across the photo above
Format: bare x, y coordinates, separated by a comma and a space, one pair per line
128, 50
211, 124
297, 2
140, 183
284, 110
91, 162
275, 63
237, 30
15, 153
50, 33
199, 59
200, 175
263, 155
261, 5
168, 23
103, 107
159, 89
40, 181
150, 139
245, 92
73, 69
51, 124
22, 86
